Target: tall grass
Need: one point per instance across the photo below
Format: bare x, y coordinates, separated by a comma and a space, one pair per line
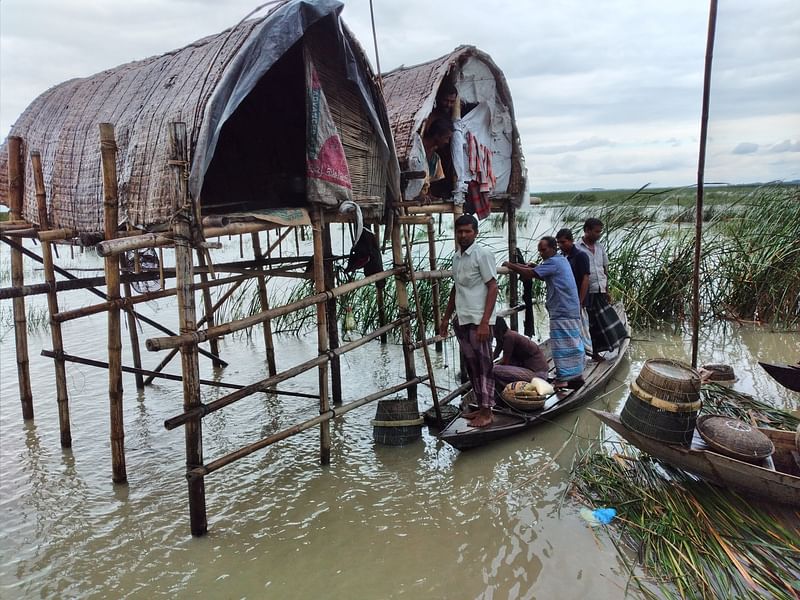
694, 540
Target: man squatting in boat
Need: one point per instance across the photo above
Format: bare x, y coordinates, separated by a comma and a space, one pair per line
472, 299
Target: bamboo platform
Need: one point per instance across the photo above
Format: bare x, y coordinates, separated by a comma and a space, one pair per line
193, 276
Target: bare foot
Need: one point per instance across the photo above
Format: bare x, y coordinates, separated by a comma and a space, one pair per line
471, 415
484, 418
597, 358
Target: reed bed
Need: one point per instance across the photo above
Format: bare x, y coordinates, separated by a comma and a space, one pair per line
692, 539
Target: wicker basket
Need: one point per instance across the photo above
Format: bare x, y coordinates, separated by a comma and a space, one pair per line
526, 401
735, 438
670, 380
659, 419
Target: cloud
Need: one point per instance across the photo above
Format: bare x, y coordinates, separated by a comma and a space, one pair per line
592, 142
785, 146
745, 148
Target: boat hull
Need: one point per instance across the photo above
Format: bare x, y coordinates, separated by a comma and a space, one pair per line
508, 421
787, 375
724, 471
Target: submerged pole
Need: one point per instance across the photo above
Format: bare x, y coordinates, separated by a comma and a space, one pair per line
16, 192
701, 165
190, 365
513, 291
62, 398
333, 325
263, 297
108, 153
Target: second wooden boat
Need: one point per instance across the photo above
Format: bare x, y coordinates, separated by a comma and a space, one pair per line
777, 480
787, 375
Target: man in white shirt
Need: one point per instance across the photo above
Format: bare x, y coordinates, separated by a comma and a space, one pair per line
472, 299
605, 327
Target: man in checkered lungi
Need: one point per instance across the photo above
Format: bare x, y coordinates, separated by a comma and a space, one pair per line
605, 328
472, 299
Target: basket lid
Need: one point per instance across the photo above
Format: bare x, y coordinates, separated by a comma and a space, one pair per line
735, 438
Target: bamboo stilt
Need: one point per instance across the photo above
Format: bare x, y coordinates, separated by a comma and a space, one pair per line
317, 225
402, 309
193, 430
208, 307
437, 308
133, 333
333, 324
379, 290
513, 288
269, 344
16, 185
62, 397
421, 326
108, 152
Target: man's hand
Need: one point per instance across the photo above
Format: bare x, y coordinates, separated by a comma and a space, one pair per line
443, 327
483, 331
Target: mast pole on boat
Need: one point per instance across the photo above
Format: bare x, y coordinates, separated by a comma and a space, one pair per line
701, 164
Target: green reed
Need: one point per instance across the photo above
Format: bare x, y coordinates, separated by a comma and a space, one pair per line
693, 539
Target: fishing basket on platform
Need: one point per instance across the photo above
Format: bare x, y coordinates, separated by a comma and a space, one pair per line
664, 401
397, 422
735, 438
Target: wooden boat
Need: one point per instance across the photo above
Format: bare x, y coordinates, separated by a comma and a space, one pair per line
778, 484
508, 421
787, 375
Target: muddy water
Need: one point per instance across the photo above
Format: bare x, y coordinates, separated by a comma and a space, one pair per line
422, 521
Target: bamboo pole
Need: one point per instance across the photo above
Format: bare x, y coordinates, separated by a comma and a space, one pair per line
300, 427
317, 226
208, 307
108, 153
379, 290
701, 165
190, 366
264, 384
174, 341
137, 371
402, 309
513, 288
330, 308
16, 189
129, 301
166, 360
57, 235
62, 397
263, 298
437, 307
133, 334
421, 326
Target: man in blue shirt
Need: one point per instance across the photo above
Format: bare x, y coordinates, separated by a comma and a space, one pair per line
564, 310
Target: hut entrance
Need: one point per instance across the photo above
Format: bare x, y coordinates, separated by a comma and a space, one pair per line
259, 161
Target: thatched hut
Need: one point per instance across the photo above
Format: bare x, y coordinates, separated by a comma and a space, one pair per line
255, 99
485, 112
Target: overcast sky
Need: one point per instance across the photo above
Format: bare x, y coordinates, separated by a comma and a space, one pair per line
607, 93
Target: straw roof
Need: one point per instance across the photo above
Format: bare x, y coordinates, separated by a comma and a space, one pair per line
201, 85
410, 94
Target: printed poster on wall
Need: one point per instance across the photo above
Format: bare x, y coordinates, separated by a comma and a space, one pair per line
326, 164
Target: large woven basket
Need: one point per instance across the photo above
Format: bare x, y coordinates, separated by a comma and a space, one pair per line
669, 380
735, 438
